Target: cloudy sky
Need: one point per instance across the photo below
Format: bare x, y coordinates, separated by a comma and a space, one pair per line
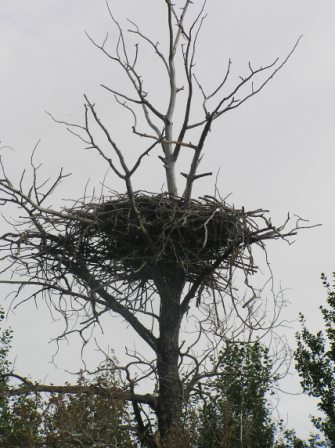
275, 152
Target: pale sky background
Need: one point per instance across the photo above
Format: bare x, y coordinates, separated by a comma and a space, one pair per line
275, 152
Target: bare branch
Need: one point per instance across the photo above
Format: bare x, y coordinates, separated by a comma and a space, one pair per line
155, 46
112, 393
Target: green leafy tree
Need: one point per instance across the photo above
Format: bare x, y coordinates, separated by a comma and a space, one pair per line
315, 362
237, 413
88, 419
5, 340
19, 416
83, 418
289, 439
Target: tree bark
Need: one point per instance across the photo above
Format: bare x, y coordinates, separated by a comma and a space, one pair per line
170, 396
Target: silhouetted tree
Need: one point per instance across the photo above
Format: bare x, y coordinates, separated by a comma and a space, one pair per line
153, 259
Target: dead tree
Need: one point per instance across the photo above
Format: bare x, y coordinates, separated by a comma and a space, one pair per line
150, 258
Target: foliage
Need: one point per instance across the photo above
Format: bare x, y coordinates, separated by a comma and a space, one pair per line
87, 419
315, 362
61, 420
237, 413
289, 439
5, 345
19, 416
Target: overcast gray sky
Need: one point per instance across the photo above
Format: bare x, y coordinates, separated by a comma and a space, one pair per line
275, 152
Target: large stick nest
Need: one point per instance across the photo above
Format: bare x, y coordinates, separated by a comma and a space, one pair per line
163, 235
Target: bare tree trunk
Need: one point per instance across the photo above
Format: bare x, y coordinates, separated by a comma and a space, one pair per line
170, 396
170, 390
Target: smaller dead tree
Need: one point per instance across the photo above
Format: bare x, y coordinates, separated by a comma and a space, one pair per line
150, 258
